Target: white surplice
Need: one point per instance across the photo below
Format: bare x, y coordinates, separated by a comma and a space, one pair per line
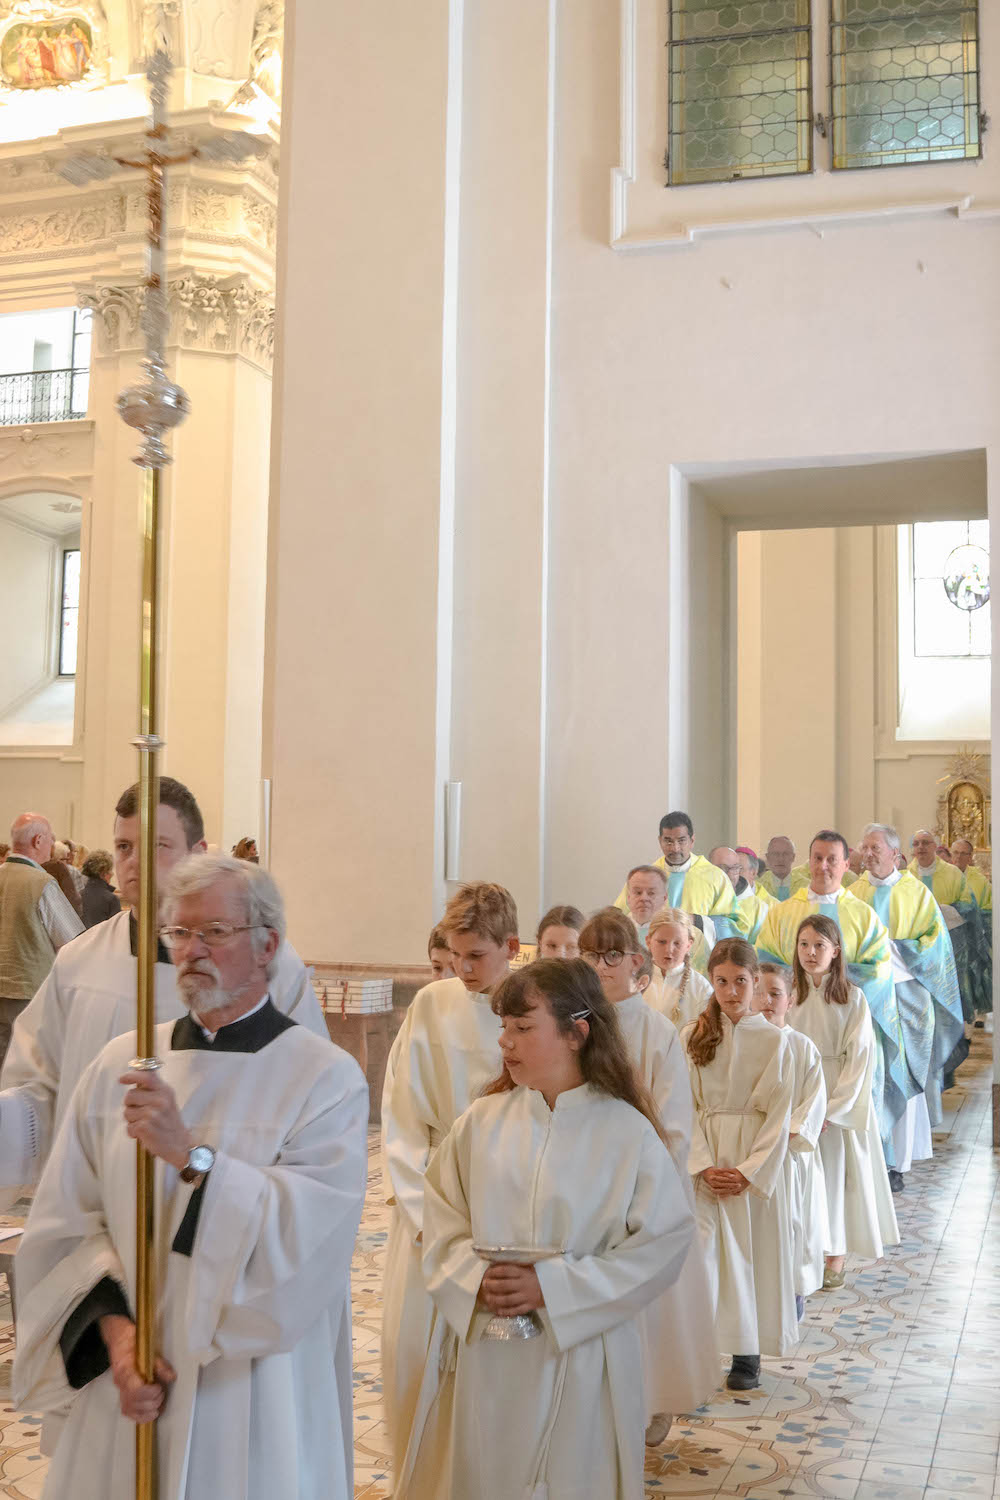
743, 1103
678, 1327
89, 997
804, 1163
679, 1002
859, 1202
445, 1053
255, 1320
560, 1416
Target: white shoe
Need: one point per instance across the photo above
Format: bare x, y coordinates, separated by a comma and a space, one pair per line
658, 1428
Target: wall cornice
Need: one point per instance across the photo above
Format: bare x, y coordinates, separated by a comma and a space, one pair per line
222, 220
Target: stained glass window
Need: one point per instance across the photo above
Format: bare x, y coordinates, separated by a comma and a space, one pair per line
740, 90
70, 613
905, 81
951, 591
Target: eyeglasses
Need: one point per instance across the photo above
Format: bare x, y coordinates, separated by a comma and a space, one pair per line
612, 958
213, 934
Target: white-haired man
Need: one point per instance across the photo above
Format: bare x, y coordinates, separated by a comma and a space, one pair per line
90, 994
949, 887
259, 1129
36, 919
927, 997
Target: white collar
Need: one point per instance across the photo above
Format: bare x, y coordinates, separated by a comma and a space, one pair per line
927, 869
678, 869
888, 880
211, 1035
812, 895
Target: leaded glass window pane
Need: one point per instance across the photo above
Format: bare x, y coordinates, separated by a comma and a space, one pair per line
905, 81
941, 627
740, 90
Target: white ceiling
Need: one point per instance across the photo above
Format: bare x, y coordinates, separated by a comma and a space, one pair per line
44, 511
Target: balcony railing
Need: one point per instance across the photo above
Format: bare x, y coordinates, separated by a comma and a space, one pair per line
43, 396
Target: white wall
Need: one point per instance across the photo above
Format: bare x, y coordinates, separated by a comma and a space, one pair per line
19, 332
28, 565
863, 333
758, 346
818, 709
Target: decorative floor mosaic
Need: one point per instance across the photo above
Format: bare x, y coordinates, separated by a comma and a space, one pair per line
893, 1393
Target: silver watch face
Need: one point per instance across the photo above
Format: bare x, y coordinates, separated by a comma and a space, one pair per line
201, 1158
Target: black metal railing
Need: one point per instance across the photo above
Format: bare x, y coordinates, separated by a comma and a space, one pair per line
43, 396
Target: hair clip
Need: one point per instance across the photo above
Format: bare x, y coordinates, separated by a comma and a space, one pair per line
581, 1015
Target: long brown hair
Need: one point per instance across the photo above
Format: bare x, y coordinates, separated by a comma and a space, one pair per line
836, 990
572, 992
703, 1043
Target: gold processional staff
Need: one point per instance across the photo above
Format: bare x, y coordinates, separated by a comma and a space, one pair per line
153, 406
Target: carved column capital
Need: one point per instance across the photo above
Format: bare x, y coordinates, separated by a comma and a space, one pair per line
220, 315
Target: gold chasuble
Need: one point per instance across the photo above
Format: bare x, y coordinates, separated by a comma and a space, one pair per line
946, 882
979, 888
797, 879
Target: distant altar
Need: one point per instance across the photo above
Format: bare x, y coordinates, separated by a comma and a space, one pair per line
965, 806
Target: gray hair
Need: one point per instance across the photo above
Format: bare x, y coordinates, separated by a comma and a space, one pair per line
98, 864
27, 827
926, 833
261, 897
887, 831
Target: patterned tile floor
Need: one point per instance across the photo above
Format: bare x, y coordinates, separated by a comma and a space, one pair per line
893, 1393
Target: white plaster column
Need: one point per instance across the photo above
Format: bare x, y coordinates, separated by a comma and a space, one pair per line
359, 616
502, 503
213, 556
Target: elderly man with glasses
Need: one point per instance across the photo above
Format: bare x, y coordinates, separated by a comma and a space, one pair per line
89, 996
259, 1132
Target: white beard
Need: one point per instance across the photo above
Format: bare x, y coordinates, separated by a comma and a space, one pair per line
204, 999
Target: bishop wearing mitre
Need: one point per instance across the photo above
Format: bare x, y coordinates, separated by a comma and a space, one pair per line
258, 1128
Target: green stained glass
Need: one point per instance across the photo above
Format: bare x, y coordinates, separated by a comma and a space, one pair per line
905, 81
740, 90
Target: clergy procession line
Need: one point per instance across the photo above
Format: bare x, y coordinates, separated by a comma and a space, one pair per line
790, 1030
610, 1159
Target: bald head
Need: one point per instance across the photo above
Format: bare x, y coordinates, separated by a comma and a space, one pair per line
780, 856
31, 835
728, 861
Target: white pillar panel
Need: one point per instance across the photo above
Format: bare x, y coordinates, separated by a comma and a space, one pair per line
502, 456
351, 735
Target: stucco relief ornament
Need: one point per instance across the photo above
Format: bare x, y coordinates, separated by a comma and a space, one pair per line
30, 447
